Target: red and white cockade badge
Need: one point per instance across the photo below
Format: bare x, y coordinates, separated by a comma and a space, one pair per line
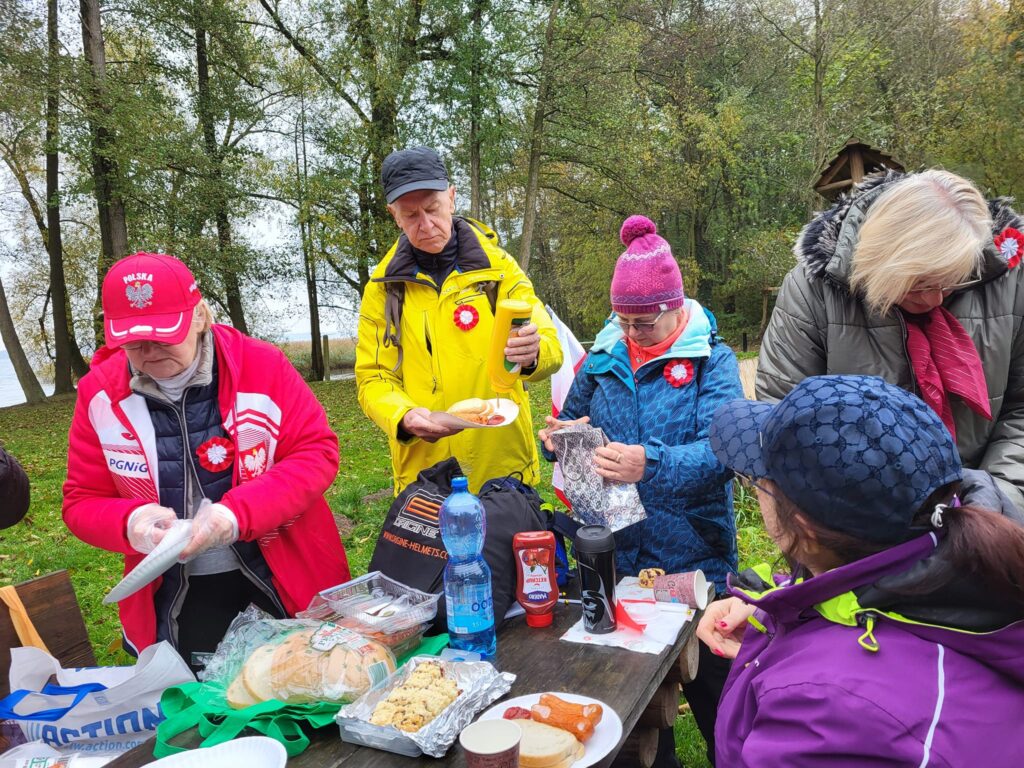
466, 317
1010, 244
679, 372
216, 454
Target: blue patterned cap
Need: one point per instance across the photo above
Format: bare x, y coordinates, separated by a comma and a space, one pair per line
854, 453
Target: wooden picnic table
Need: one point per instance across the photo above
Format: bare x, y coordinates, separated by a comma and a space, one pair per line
626, 681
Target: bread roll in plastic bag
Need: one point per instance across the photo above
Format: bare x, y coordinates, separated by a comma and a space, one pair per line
297, 661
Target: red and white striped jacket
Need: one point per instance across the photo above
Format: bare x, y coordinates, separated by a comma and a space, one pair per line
286, 456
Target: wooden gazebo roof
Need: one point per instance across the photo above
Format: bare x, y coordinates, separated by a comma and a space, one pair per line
850, 165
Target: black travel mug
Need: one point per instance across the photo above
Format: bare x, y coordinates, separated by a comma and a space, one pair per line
595, 555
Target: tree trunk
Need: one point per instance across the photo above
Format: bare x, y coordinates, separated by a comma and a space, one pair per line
26, 377
819, 130
382, 87
475, 109
62, 341
228, 270
317, 370
110, 206
537, 140
20, 174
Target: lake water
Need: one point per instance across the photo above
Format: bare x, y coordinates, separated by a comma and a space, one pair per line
10, 389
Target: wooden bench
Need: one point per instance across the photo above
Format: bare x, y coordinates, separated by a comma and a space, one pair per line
51, 604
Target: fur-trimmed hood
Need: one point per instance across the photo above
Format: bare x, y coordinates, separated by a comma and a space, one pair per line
825, 246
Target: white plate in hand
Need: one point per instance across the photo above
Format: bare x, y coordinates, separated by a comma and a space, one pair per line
607, 733
155, 563
502, 407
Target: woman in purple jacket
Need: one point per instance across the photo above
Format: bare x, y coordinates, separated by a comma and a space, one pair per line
899, 639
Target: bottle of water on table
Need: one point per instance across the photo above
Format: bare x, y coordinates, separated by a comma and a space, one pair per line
467, 577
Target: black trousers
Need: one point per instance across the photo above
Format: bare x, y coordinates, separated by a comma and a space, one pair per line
703, 695
210, 606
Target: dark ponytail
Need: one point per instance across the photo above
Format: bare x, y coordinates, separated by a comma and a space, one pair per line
988, 546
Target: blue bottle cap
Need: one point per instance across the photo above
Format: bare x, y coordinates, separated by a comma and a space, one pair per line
460, 483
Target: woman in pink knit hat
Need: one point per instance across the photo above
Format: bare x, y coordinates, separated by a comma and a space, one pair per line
652, 381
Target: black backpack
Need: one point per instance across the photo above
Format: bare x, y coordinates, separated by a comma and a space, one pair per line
410, 550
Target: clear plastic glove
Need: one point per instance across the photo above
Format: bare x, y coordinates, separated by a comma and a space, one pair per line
213, 526
722, 625
147, 525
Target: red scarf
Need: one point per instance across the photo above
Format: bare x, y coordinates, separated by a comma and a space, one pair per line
639, 355
945, 363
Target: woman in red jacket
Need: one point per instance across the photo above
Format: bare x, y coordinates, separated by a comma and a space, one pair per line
183, 419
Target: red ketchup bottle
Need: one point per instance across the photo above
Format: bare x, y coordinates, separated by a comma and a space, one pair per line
536, 585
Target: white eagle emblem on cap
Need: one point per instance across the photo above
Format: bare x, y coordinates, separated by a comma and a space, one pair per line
140, 295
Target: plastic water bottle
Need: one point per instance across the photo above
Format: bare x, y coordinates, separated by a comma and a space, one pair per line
467, 577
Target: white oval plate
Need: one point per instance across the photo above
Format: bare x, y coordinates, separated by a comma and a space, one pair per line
153, 564
607, 734
246, 752
502, 407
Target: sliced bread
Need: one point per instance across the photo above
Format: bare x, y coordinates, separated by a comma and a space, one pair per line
238, 695
568, 761
256, 673
544, 746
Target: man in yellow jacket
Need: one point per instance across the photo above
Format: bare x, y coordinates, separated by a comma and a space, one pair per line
425, 327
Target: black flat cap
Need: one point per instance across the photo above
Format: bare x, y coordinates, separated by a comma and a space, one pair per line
407, 170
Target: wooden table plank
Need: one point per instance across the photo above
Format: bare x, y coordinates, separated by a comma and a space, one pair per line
51, 604
624, 680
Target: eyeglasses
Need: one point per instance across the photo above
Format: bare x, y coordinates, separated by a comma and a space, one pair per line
948, 289
646, 325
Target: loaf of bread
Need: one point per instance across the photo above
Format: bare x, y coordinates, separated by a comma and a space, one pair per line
326, 664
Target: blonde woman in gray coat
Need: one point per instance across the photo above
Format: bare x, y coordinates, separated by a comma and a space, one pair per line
915, 278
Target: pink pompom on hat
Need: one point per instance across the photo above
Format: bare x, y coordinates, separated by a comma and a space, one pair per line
647, 277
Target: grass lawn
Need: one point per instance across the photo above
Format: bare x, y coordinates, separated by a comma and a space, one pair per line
359, 497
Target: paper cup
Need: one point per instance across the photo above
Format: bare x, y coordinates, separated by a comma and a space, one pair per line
690, 588
491, 744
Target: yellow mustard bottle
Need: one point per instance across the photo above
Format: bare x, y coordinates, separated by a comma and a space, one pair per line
509, 314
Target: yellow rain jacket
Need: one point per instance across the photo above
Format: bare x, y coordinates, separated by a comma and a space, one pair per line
439, 364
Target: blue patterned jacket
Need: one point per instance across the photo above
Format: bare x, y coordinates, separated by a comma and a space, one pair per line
686, 491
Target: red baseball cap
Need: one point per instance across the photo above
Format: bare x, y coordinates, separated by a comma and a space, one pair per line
148, 297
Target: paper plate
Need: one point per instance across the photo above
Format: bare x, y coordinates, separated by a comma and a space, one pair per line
155, 563
502, 407
607, 734
246, 752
